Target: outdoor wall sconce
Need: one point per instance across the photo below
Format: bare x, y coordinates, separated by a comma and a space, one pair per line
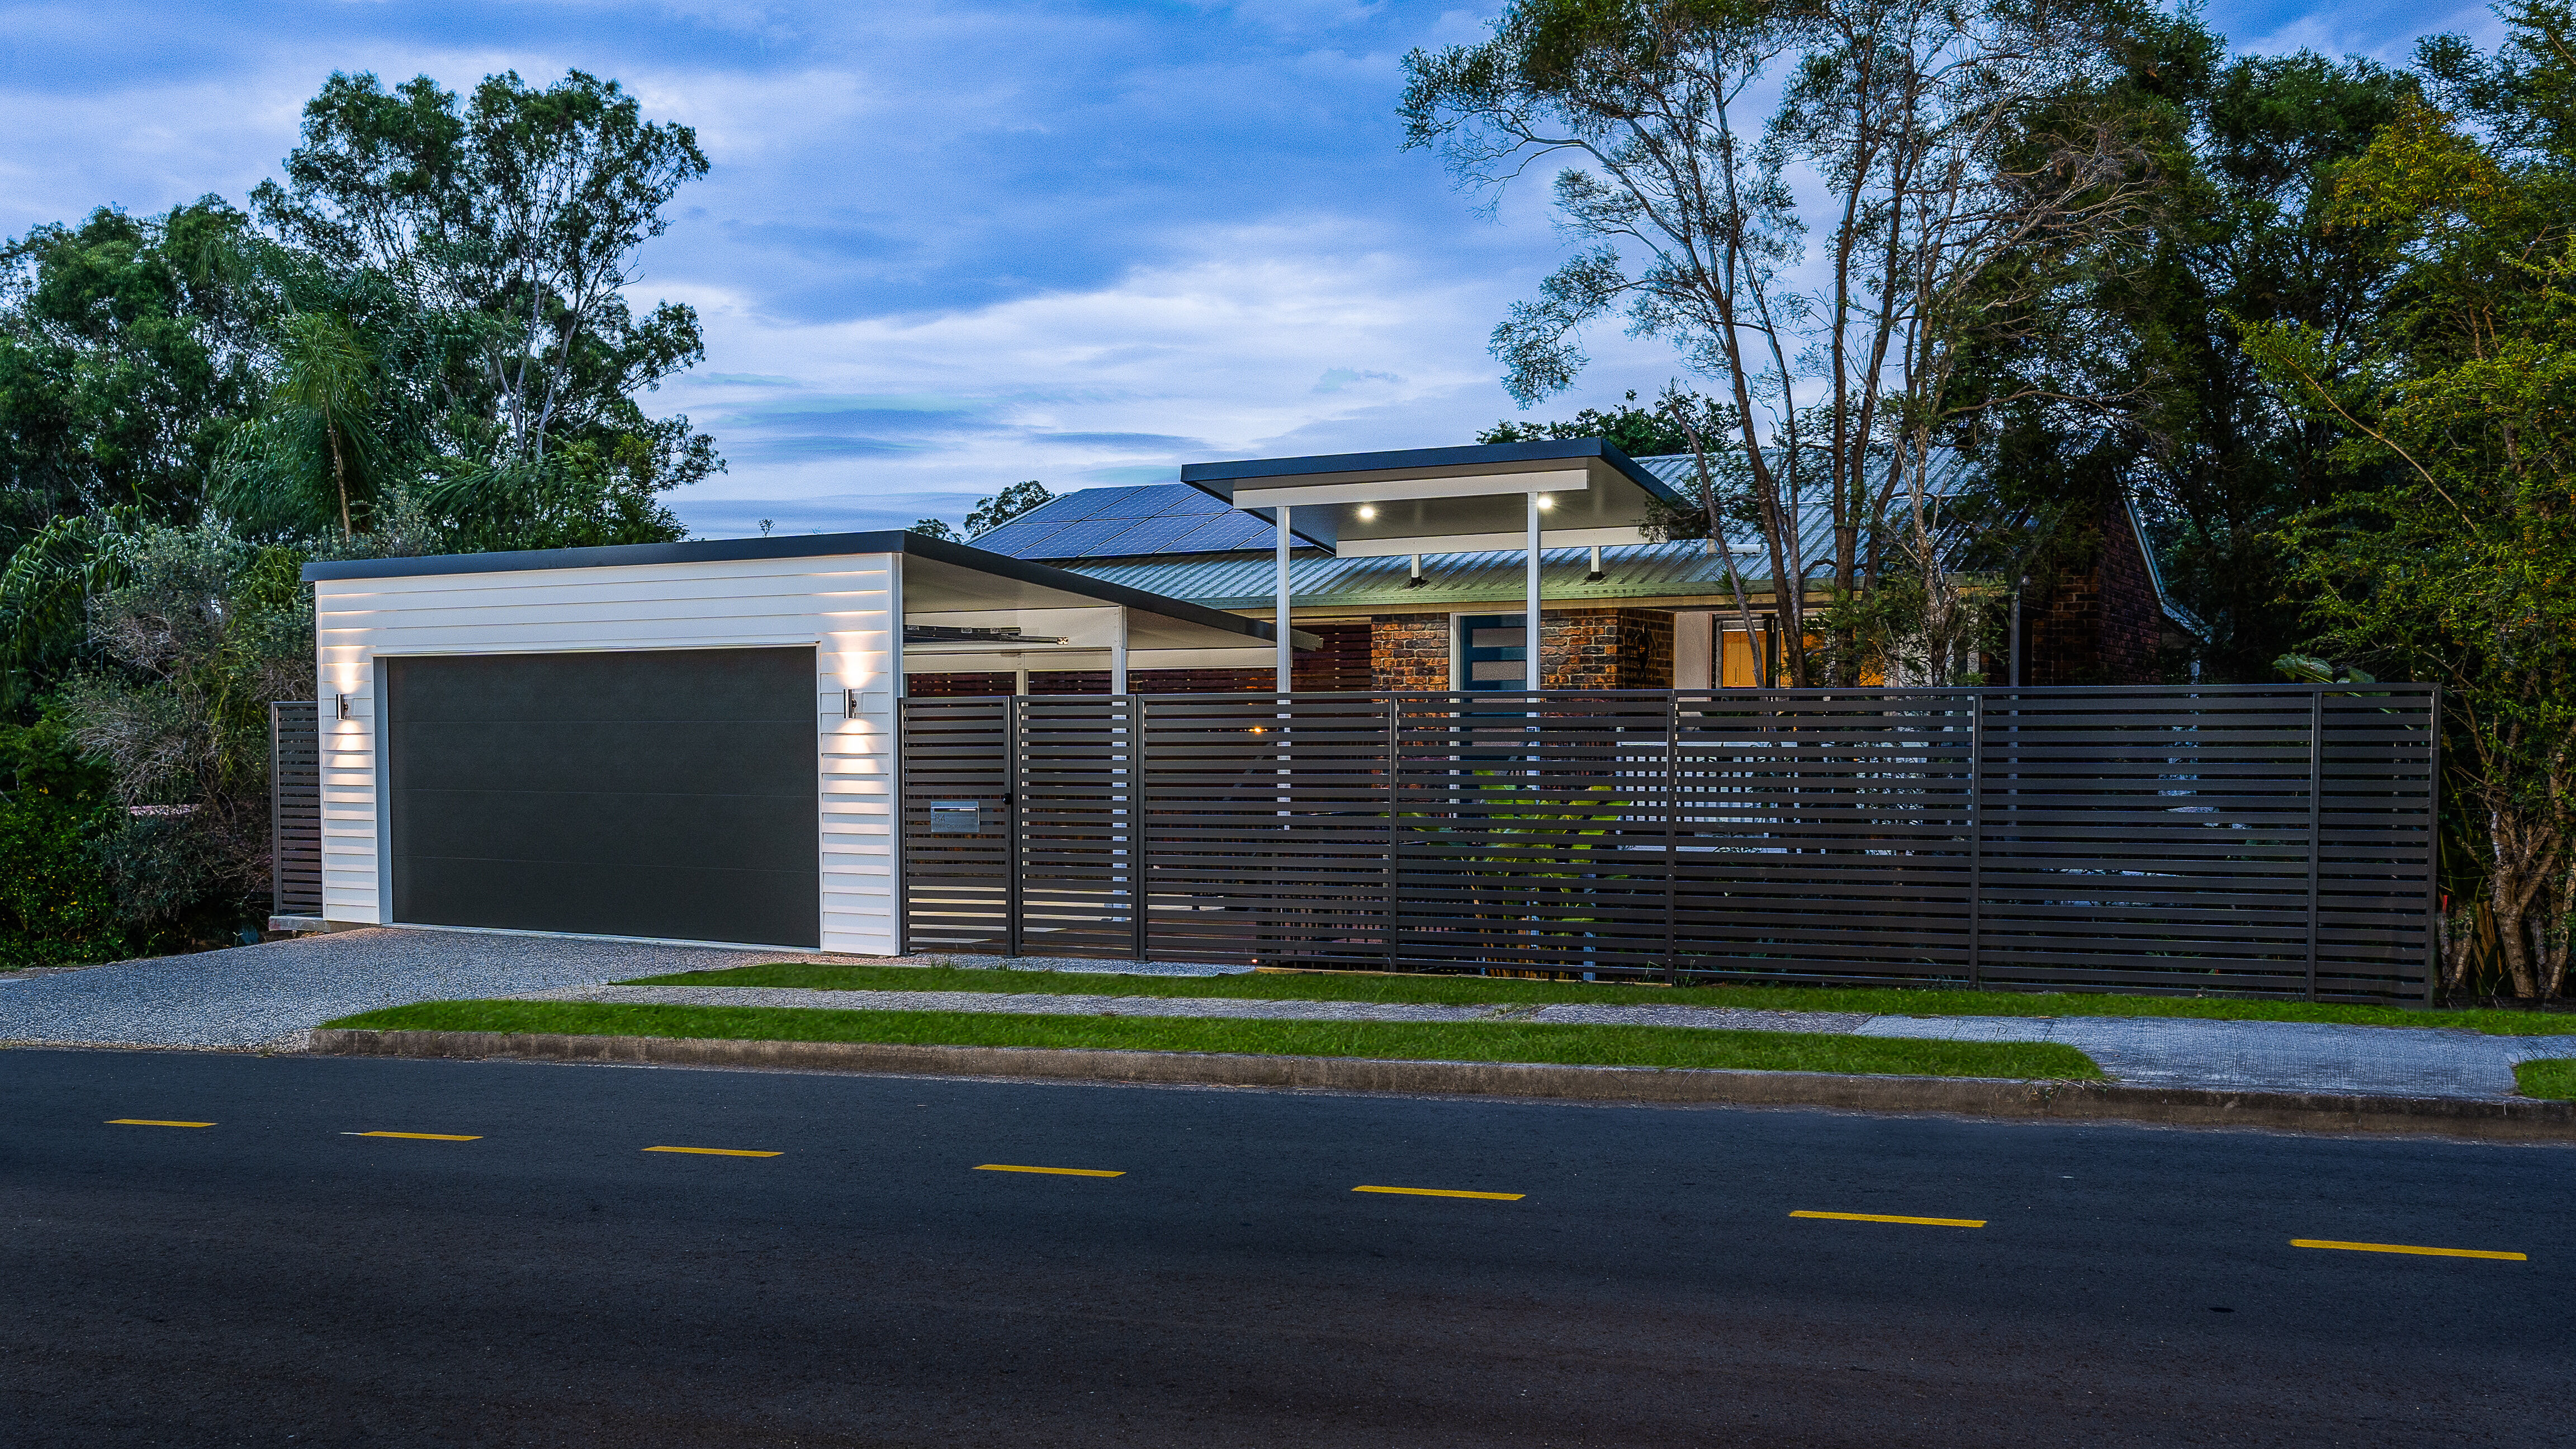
343, 701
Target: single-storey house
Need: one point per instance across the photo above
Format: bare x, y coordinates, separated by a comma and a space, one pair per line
1415, 570
699, 741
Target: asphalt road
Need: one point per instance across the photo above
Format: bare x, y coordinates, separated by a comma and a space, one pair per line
271, 1279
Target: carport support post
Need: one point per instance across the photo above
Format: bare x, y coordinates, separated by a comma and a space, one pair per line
1530, 631
1279, 619
1118, 655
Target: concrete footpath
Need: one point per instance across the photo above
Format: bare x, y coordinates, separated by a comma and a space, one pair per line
2281, 1056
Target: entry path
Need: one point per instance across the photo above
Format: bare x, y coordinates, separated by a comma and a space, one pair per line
2151, 1051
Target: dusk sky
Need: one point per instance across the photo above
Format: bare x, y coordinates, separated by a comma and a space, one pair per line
948, 246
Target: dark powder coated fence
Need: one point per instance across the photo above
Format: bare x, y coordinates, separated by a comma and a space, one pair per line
2244, 839
295, 807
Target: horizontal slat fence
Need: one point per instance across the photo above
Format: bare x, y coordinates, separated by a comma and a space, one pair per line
2244, 839
295, 807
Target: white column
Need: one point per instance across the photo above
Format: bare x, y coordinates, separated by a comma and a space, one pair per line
1530, 621
1280, 620
1118, 655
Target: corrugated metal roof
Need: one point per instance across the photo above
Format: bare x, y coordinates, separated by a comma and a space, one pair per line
1317, 580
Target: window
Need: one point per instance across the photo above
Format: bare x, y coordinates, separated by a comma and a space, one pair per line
1493, 651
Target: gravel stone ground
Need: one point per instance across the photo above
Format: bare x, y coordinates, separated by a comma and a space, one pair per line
2150, 1051
269, 995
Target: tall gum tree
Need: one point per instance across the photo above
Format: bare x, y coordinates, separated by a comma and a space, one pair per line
1959, 174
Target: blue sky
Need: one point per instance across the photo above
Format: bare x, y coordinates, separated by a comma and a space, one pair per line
947, 246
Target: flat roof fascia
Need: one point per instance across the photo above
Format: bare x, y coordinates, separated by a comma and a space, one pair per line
818, 545
1204, 476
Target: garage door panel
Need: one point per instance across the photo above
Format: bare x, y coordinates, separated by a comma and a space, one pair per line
706, 685
618, 900
752, 832
592, 755
670, 793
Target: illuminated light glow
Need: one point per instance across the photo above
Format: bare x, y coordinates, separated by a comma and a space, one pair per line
1367, 512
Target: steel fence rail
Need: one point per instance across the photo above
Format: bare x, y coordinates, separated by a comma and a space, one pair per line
2271, 840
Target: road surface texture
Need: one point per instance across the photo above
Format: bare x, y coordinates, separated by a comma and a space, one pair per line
274, 1278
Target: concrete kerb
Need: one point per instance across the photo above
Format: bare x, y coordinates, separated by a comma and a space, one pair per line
2506, 1119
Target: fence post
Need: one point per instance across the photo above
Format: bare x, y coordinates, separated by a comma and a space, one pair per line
2433, 846
277, 817
1011, 900
2316, 817
1672, 817
1140, 841
1394, 829
1976, 841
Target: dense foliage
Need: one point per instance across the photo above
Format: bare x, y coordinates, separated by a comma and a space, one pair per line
418, 340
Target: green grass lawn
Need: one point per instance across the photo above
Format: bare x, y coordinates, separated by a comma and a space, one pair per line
2555, 1080
1617, 1046
1465, 990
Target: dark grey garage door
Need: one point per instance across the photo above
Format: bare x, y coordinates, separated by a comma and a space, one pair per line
658, 793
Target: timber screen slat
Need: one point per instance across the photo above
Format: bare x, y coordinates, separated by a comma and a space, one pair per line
2245, 839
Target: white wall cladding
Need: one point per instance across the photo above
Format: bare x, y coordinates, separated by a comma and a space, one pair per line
848, 608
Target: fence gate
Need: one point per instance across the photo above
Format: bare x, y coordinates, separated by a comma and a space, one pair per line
2249, 839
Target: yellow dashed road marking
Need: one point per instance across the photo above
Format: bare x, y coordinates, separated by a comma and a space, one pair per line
1056, 1171
416, 1136
1444, 1192
1893, 1218
714, 1151
2405, 1248
151, 1122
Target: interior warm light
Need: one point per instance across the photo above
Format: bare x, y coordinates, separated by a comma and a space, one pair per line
1545, 503
1367, 511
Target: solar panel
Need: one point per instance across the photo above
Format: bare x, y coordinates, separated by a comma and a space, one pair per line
1161, 500
1145, 535
1229, 531
1075, 540
1019, 535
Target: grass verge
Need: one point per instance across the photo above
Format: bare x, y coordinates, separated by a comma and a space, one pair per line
2554, 1079
1463, 990
1609, 1046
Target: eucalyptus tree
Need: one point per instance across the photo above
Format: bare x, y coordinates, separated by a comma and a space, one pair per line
1958, 166
513, 219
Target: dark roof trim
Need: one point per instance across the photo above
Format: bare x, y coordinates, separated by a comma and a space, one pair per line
817, 545
1198, 475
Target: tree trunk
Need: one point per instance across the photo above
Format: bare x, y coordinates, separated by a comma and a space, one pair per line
340, 474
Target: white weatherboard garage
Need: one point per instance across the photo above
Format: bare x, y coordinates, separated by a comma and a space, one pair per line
690, 741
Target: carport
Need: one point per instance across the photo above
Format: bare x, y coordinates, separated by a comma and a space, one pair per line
682, 742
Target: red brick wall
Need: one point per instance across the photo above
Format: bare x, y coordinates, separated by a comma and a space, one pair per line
1409, 651
2100, 626
1583, 649
1606, 649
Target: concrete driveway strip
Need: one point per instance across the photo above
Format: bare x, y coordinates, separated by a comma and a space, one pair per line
2284, 1055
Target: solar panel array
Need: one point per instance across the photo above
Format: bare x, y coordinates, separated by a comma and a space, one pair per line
1123, 522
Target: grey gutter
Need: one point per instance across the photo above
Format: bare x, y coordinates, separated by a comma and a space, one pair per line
818, 545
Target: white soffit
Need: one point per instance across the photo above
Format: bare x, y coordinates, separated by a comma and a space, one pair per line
1398, 489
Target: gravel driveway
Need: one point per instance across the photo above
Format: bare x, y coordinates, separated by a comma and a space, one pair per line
270, 994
